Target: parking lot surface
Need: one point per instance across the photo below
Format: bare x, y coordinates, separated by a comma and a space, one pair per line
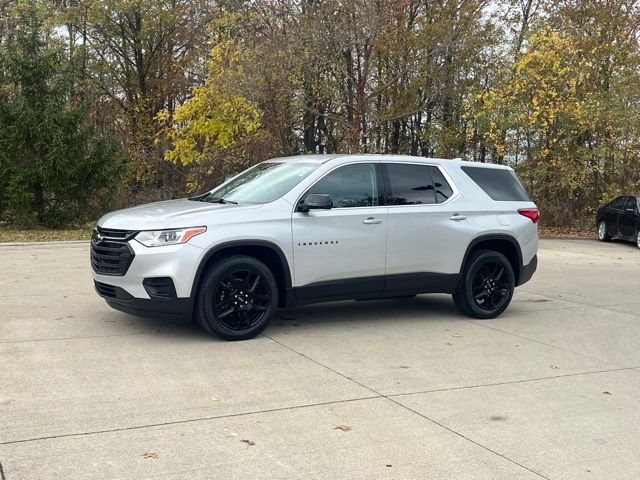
402, 388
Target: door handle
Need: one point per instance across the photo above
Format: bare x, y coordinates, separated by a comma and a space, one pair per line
372, 221
457, 218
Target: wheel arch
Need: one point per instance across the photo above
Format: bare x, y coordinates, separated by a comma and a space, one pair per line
267, 252
502, 243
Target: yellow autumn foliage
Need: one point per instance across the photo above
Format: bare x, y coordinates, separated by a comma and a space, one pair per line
215, 118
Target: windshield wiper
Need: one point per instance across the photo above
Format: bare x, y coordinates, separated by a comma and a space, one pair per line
222, 200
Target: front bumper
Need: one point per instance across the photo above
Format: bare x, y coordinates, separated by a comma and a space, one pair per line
127, 292
527, 271
178, 262
172, 309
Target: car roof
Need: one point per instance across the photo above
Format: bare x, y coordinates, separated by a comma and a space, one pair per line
345, 157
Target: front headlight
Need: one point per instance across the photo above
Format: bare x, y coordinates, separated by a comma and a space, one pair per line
158, 238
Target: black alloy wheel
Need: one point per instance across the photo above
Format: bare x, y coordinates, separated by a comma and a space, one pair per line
237, 298
241, 298
487, 285
489, 289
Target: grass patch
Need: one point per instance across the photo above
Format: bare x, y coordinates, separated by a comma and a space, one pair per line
25, 235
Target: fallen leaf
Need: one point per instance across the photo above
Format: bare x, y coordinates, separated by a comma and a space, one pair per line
607, 393
554, 367
404, 366
250, 443
150, 454
343, 426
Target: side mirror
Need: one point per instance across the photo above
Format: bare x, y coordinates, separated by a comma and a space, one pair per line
315, 201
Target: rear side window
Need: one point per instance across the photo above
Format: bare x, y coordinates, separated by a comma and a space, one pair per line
499, 184
632, 204
442, 188
410, 184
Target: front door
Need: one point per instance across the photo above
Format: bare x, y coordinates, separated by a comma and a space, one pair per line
341, 251
628, 219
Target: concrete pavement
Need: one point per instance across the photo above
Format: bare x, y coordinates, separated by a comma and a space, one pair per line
551, 389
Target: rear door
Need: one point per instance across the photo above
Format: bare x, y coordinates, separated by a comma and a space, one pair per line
612, 215
628, 219
341, 251
427, 238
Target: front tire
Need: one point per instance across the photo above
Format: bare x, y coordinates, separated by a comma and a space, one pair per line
237, 298
487, 285
603, 236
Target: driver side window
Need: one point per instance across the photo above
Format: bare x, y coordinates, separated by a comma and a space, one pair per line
353, 185
618, 203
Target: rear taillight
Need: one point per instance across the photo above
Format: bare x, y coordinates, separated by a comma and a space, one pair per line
530, 213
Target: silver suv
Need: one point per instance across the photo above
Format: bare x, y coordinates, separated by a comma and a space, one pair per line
318, 228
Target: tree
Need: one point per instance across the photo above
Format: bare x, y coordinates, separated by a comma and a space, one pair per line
567, 113
54, 168
213, 129
141, 56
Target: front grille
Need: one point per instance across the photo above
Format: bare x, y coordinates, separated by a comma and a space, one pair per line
116, 234
105, 290
110, 251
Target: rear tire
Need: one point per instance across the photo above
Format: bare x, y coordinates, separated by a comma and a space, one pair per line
487, 285
603, 236
237, 298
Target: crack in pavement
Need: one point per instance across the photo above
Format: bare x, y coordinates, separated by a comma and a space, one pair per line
159, 332
184, 421
581, 305
590, 357
379, 395
295, 407
497, 384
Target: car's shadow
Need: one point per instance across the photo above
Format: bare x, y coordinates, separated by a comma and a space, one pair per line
421, 307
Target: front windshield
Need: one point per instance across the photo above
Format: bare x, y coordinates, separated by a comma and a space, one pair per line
262, 183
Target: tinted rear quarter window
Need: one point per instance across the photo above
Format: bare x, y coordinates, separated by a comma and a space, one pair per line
410, 184
498, 183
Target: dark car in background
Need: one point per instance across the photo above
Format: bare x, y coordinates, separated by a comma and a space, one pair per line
619, 218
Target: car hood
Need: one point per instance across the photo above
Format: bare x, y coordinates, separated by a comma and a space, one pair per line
169, 214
